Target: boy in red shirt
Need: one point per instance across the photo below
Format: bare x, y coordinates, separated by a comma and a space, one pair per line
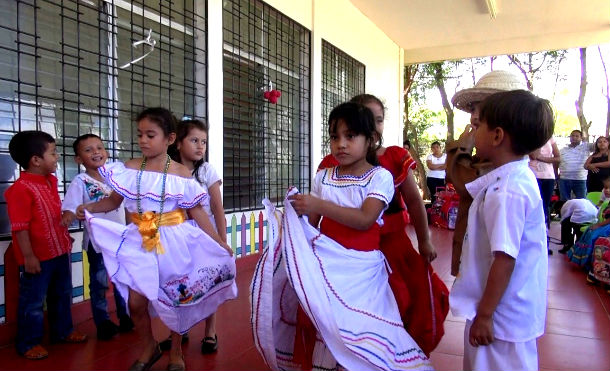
42, 245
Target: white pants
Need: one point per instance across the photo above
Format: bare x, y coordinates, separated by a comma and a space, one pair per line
499, 355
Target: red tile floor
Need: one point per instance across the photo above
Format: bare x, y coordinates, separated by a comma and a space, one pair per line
577, 334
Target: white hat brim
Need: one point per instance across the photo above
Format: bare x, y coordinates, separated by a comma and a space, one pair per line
464, 97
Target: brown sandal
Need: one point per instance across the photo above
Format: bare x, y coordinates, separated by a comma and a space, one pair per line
75, 337
36, 352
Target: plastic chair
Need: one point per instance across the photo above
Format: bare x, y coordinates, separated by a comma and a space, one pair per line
594, 197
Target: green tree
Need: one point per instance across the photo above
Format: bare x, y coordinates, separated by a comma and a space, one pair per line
418, 119
435, 75
565, 122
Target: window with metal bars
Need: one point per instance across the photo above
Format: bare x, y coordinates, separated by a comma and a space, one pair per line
342, 79
266, 145
61, 71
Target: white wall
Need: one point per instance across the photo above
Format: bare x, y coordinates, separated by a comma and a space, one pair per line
343, 25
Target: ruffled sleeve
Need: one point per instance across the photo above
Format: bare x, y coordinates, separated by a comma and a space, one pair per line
381, 186
193, 194
397, 161
187, 192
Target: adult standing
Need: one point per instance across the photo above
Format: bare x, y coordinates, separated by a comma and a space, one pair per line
598, 165
572, 174
541, 163
436, 166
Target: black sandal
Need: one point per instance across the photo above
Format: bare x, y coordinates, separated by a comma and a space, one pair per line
209, 344
166, 344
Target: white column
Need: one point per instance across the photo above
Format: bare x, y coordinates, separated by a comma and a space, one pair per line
215, 85
316, 93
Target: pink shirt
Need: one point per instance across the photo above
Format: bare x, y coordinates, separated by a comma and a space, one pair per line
543, 170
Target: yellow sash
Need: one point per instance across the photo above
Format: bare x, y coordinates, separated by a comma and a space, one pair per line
149, 224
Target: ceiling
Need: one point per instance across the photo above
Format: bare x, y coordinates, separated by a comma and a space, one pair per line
432, 30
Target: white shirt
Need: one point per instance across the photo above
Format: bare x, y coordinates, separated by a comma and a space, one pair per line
573, 160
437, 161
351, 191
84, 190
208, 177
579, 210
506, 215
544, 170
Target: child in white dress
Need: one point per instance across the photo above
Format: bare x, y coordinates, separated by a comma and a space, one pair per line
161, 264
189, 150
321, 298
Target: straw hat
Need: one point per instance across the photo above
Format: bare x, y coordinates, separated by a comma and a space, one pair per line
492, 82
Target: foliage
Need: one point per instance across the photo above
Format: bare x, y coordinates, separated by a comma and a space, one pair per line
532, 64
565, 122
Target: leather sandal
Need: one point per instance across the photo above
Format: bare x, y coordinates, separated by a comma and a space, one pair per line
177, 366
145, 366
75, 337
36, 352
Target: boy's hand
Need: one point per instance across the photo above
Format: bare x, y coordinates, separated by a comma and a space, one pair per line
466, 139
481, 331
31, 264
304, 204
67, 217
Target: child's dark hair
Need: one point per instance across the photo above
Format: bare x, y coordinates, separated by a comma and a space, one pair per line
162, 117
526, 118
365, 99
27, 144
605, 178
183, 129
435, 143
360, 121
80, 139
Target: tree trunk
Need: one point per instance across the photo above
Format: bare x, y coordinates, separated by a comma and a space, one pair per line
420, 171
607, 93
514, 60
439, 80
584, 126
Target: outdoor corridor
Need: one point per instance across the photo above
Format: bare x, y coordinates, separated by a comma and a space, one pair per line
577, 334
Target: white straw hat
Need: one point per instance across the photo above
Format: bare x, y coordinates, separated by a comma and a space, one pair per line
492, 82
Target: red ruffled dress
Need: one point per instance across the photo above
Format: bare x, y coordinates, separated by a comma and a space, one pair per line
412, 280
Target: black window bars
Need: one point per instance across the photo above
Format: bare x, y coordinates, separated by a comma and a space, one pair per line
59, 72
342, 78
266, 144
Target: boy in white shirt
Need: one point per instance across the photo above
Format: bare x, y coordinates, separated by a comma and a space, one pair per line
89, 187
501, 287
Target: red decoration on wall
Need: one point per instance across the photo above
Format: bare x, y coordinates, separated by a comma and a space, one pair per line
271, 94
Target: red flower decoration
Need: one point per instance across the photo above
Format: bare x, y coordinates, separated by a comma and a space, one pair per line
272, 95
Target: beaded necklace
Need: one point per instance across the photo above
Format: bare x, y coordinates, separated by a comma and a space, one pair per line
138, 185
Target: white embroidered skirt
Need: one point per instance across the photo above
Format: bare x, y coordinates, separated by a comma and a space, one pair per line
184, 285
344, 292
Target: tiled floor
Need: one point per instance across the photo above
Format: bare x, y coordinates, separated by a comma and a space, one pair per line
577, 334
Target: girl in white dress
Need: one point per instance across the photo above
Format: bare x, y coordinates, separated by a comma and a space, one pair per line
161, 264
190, 149
321, 298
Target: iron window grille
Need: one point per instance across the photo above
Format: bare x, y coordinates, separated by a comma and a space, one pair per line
266, 146
59, 72
342, 79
